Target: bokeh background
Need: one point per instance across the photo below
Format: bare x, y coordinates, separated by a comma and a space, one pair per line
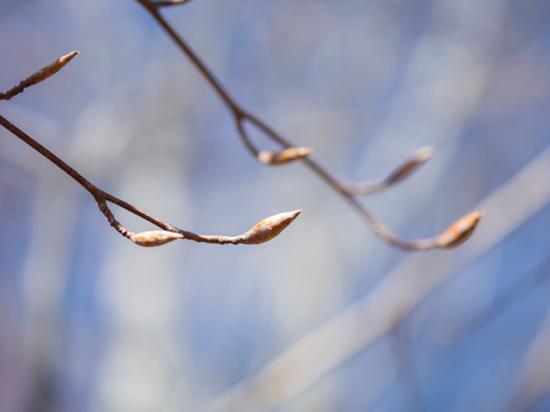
91, 322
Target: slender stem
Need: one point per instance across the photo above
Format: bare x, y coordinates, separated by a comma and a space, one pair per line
152, 8
262, 232
85, 183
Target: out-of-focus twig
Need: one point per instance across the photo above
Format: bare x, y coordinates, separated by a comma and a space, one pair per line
533, 380
517, 291
407, 285
262, 232
407, 375
290, 152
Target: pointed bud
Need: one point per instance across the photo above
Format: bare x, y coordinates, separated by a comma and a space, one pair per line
268, 228
460, 231
50, 69
417, 159
284, 156
154, 238
39, 76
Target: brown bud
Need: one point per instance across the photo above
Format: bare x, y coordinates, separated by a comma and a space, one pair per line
50, 69
284, 156
268, 228
460, 231
39, 76
154, 238
417, 159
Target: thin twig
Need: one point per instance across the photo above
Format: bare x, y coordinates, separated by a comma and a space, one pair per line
349, 192
262, 232
350, 332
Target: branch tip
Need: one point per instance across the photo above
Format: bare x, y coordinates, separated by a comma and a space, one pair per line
414, 162
269, 228
40, 75
68, 57
460, 231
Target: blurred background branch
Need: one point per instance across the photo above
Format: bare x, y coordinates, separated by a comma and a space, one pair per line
404, 287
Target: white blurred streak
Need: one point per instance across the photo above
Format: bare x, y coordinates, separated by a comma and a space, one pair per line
45, 276
101, 133
348, 333
141, 290
45, 272
45, 268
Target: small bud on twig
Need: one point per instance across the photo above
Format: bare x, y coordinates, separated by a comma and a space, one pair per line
418, 158
284, 156
39, 76
268, 228
460, 231
154, 238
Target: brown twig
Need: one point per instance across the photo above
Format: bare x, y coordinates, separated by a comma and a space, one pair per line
262, 232
349, 192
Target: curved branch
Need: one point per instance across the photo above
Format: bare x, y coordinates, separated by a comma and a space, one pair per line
290, 152
262, 232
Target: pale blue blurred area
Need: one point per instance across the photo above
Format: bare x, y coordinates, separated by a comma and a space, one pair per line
91, 322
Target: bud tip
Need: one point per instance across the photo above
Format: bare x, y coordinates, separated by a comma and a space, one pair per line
269, 227
424, 153
69, 56
460, 231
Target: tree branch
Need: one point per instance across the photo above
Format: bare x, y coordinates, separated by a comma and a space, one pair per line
262, 232
290, 152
